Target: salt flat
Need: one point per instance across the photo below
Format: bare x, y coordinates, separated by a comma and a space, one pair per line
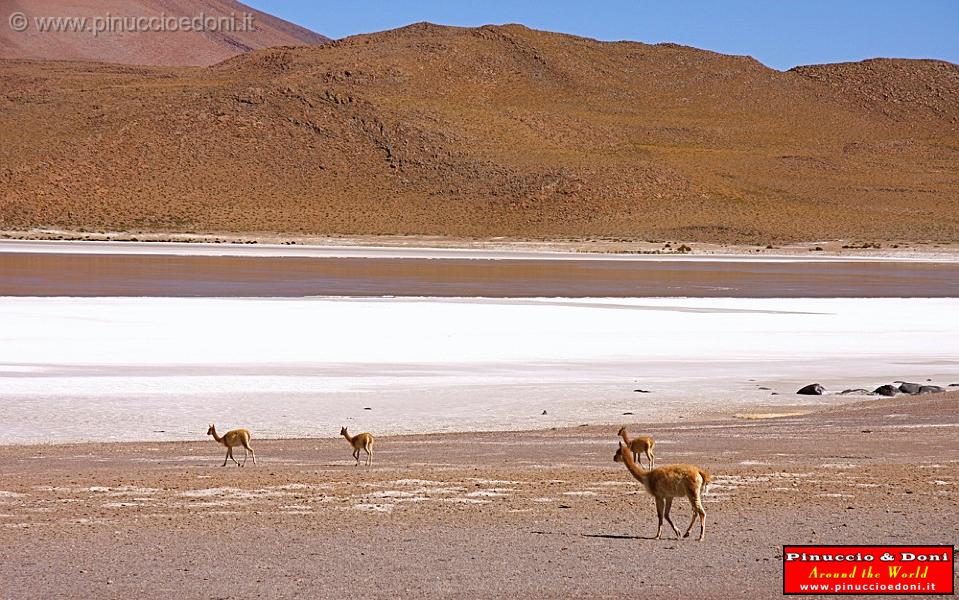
96, 369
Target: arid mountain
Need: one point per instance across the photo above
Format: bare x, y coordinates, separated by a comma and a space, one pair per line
499, 130
143, 32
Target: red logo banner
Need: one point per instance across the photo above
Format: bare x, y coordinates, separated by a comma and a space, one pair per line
868, 570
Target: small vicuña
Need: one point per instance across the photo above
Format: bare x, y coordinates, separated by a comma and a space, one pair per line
639, 445
360, 441
236, 437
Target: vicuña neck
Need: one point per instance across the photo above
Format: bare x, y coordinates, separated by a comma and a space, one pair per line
348, 437
215, 436
636, 470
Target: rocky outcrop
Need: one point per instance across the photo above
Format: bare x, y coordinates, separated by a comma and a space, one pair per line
856, 391
909, 388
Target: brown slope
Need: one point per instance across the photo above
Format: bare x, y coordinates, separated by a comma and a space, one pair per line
473, 132
145, 47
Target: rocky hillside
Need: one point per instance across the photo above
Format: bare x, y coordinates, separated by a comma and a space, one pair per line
92, 40
921, 91
485, 132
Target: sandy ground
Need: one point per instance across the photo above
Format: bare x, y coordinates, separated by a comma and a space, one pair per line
536, 514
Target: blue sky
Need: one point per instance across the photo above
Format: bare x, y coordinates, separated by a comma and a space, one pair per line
778, 33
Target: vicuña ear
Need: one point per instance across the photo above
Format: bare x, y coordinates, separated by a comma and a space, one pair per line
620, 445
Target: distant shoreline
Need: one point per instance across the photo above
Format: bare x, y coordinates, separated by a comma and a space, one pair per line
764, 415
268, 244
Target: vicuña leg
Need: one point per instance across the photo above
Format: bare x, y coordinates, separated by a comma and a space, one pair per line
698, 511
669, 505
649, 457
660, 503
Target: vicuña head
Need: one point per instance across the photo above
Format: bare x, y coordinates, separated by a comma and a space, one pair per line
360, 441
666, 483
618, 457
236, 437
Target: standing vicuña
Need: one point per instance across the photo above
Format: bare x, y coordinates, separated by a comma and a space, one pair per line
666, 483
639, 445
360, 441
236, 437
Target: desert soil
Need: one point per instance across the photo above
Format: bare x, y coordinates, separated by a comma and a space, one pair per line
523, 514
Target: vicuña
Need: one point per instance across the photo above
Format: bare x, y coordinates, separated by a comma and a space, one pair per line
639, 445
360, 441
236, 437
666, 483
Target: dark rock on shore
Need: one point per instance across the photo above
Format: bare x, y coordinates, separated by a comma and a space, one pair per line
813, 389
931, 389
909, 388
886, 390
